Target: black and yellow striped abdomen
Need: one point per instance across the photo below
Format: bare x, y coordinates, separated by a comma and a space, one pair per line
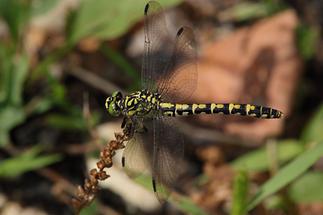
170, 109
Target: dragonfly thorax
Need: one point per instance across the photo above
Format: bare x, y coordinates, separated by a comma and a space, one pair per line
140, 103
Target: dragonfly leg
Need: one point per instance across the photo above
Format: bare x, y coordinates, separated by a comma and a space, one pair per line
128, 127
123, 161
154, 185
124, 121
134, 125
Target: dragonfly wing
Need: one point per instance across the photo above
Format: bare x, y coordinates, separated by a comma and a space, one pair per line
135, 158
169, 66
158, 46
170, 60
157, 151
181, 79
168, 151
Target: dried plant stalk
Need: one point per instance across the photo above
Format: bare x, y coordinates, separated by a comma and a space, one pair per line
85, 194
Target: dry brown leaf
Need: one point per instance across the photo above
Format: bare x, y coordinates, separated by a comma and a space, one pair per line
311, 208
258, 64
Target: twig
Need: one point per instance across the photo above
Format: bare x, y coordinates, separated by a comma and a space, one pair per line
63, 189
210, 135
86, 193
93, 80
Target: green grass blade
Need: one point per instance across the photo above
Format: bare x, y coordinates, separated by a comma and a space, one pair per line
40, 7
16, 14
25, 162
66, 122
245, 11
18, 75
186, 205
10, 117
240, 193
313, 130
257, 160
308, 188
287, 174
12, 77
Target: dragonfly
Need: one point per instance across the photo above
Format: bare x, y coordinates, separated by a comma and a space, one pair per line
168, 79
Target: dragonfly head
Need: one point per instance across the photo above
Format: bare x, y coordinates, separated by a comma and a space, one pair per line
112, 103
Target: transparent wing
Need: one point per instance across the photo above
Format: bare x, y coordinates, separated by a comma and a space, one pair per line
178, 84
170, 60
156, 54
135, 158
167, 160
169, 67
157, 151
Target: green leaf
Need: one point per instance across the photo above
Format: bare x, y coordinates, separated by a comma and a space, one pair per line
287, 174
240, 193
313, 130
107, 19
40, 106
10, 117
90, 209
276, 202
186, 205
258, 160
308, 188
13, 73
13, 76
40, 7
66, 122
25, 162
306, 40
245, 11
16, 14
5, 69
15, 81
58, 92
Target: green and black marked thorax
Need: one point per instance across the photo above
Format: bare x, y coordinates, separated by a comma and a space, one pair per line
141, 103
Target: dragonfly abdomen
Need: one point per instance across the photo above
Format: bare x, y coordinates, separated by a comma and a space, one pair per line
170, 109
